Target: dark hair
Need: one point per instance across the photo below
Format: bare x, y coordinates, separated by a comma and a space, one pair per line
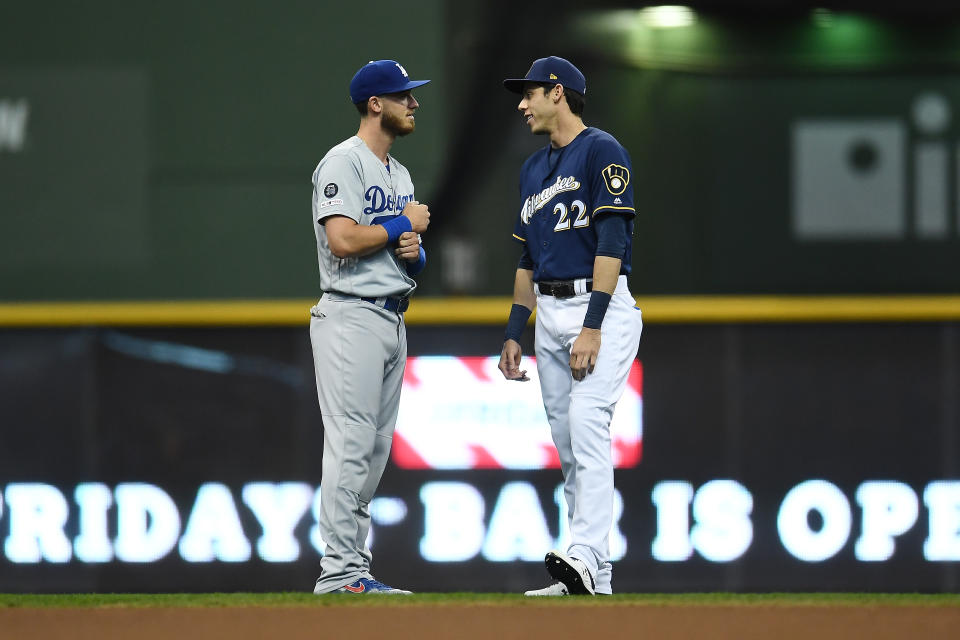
575, 101
362, 106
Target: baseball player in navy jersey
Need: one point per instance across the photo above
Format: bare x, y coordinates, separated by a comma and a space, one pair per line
575, 226
367, 223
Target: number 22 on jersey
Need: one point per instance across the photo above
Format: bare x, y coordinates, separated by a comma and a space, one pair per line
577, 215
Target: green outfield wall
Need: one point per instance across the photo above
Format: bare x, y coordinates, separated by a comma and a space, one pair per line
164, 151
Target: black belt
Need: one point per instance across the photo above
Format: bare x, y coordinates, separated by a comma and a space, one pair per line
390, 304
561, 288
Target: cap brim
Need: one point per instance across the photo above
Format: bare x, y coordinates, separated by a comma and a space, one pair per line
515, 84
413, 84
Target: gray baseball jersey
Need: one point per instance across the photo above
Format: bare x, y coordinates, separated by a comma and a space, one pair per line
351, 181
359, 350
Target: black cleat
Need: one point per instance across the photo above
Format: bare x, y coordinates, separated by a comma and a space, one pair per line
572, 572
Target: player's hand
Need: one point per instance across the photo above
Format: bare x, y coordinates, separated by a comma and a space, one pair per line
408, 246
419, 215
510, 362
583, 356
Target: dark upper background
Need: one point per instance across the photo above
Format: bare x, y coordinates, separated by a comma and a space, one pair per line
778, 147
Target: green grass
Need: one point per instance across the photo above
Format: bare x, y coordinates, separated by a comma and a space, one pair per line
479, 599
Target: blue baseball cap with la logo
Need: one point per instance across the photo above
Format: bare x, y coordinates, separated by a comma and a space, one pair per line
380, 77
551, 69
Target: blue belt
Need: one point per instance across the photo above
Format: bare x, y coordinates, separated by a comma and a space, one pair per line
390, 304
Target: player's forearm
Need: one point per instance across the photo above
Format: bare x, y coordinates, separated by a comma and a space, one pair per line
524, 301
523, 293
357, 240
606, 271
347, 239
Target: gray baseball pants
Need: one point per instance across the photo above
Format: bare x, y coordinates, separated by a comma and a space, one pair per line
359, 354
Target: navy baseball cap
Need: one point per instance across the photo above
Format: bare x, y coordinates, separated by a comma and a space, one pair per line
551, 69
379, 77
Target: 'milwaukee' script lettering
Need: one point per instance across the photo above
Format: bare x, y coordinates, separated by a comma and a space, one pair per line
535, 202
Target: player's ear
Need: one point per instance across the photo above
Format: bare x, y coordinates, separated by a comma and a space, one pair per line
557, 93
374, 105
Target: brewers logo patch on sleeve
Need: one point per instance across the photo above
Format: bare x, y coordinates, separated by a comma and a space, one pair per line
616, 177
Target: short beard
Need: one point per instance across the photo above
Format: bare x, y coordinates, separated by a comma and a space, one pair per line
397, 126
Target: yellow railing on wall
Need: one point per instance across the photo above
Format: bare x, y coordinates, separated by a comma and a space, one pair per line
484, 311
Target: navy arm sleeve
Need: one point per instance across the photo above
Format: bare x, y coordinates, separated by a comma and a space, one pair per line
526, 262
612, 230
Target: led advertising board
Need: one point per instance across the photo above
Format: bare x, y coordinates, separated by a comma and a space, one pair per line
746, 459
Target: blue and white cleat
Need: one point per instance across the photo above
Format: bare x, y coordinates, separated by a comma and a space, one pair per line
371, 586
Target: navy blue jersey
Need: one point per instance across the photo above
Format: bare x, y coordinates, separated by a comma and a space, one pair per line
561, 191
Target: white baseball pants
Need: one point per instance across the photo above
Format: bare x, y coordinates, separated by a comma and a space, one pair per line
579, 413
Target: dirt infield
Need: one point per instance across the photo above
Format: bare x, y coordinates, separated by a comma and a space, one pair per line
777, 622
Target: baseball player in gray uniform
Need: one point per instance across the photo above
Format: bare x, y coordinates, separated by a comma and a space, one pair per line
367, 223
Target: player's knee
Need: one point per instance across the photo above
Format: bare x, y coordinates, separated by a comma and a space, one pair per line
592, 409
